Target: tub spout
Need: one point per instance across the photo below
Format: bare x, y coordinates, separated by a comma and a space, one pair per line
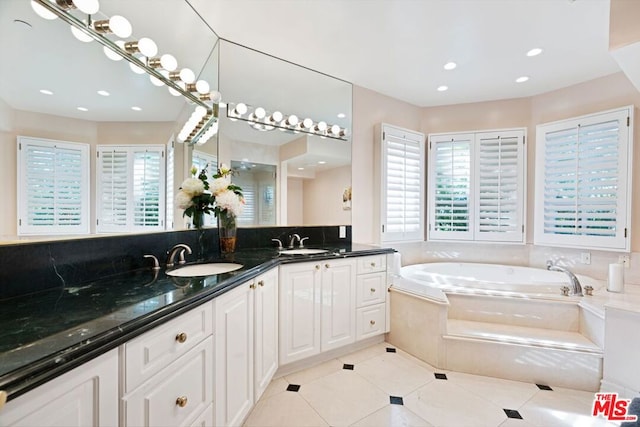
576, 289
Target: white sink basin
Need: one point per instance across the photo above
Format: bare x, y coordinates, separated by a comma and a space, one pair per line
303, 251
204, 269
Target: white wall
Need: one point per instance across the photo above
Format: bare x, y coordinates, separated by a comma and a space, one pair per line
323, 197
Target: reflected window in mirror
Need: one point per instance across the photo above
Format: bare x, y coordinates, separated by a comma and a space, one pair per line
258, 182
130, 182
53, 187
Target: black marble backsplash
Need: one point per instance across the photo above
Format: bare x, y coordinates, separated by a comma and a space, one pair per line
37, 266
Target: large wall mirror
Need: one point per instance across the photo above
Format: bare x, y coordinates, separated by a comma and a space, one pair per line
291, 178
50, 83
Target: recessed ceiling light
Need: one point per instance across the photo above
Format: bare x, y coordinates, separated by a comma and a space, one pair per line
46, 92
82, 109
442, 88
522, 79
534, 52
136, 108
341, 115
103, 93
322, 162
450, 65
300, 169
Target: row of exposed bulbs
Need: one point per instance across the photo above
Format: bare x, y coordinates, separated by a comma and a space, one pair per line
200, 119
260, 120
144, 49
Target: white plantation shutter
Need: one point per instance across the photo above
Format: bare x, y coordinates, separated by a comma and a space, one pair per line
171, 158
477, 186
53, 187
402, 184
499, 210
249, 214
450, 187
583, 193
130, 188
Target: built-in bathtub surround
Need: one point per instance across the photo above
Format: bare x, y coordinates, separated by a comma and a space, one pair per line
36, 266
512, 319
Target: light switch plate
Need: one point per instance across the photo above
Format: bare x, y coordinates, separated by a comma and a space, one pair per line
343, 232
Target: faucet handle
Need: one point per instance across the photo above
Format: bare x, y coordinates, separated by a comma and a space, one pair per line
181, 259
156, 264
279, 243
302, 241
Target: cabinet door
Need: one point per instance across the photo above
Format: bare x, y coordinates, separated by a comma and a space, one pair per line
371, 288
299, 311
338, 304
234, 355
85, 396
265, 330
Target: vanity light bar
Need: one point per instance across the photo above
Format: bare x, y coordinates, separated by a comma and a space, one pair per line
259, 119
126, 51
200, 127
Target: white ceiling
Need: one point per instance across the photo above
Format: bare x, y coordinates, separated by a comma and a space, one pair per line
399, 47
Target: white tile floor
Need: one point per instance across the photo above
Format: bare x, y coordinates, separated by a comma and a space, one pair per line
330, 395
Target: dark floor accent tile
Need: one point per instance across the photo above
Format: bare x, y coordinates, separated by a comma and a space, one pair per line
347, 367
396, 400
391, 350
293, 387
544, 387
512, 413
440, 376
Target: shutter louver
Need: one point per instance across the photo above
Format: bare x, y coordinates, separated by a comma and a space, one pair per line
147, 189
403, 154
584, 183
53, 187
170, 186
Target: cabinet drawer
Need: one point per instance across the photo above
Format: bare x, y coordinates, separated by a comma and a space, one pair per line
371, 321
147, 354
371, 264
371, 289
177, 395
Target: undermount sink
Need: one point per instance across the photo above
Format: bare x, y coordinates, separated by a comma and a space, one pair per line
303, 251
204, 269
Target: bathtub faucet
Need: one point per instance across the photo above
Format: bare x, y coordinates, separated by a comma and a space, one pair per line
576, 289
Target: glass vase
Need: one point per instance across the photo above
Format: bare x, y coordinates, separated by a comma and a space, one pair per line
227, 230
198, 219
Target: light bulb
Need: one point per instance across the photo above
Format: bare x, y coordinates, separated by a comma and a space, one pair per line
81, 35
335, 129
87, 6
216, 96
147, 47
320, 127
168, 62
202, 86
307, 123
156, 81
200, 111
260, 113
174, 92
135, 68
240, 109
42, 12
276, 117
292, 120
111, 54
120, 26
187, 76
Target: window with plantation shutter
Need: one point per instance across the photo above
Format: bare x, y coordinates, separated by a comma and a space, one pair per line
171, 158
403, 180
477, 186
53, 187
130, 183
583, 190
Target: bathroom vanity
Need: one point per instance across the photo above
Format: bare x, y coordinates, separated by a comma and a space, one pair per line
202, 350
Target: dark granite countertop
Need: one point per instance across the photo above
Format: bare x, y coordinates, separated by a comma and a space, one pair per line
48, 333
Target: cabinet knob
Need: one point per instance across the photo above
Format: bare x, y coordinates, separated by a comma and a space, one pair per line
252, 286
373, 290
372, 322
182, 401
317, 267
327, 266
261, 282
181, 337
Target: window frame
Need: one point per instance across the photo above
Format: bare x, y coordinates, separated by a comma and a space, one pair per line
622, 239
474, 233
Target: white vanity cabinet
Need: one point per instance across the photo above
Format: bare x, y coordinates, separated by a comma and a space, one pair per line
167, 373
246, 351
84, 396
621, 352
317, 307
371, 296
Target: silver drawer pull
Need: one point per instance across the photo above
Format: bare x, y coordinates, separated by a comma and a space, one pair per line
181, 337
372, 322
182, 401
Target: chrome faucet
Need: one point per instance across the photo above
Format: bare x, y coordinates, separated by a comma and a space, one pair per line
180, 247
302, 241
293, 240
576, 289
279, 243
